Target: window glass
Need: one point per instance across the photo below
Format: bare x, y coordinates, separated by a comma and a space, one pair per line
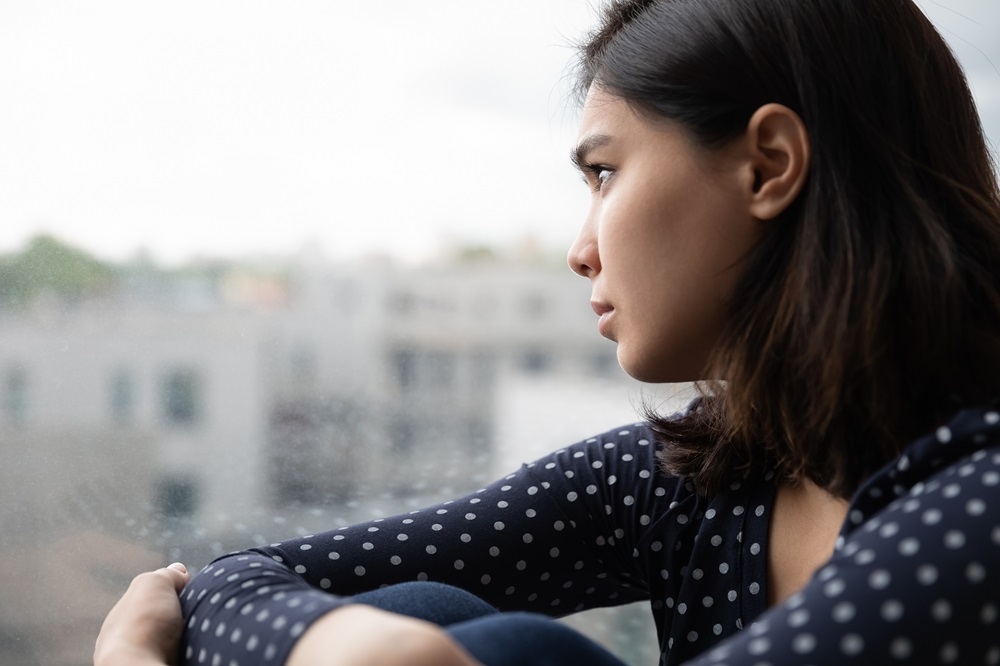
268, 270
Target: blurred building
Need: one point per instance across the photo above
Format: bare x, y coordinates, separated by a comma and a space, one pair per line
191, 417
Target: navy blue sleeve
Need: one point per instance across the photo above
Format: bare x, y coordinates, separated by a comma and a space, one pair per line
917, 583
557, 536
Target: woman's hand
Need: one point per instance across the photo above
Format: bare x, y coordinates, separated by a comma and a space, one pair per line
144, 628
360, 635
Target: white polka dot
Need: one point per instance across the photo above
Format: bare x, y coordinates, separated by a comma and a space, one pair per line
975, 572
975, 507
359, 571
879, 579
843, 612
437, 527
908, 547
628, 500
943, 434
927, 574
941, 610
891, 610
988, 614
738, 510
889, 530
834, 587
852, 644
367, 545
723, 568
991, 418
503, 505
798, 618
803, 643
466, 538
754, 588
949, 653
954, 539
865, 557
431, 549
759, 646
900, 648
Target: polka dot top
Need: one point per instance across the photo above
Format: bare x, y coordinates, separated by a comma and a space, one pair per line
914, 579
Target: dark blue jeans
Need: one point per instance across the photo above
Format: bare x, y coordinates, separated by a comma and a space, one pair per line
492, 637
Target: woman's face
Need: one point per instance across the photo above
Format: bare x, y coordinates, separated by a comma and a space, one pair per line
664, 241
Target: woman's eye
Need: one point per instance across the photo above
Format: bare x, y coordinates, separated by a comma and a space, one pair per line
601, 175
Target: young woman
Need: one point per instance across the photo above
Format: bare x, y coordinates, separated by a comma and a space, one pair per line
794, 203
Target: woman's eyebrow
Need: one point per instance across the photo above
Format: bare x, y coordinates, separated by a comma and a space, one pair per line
578, 155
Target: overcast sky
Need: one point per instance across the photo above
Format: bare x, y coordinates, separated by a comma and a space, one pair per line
232, 128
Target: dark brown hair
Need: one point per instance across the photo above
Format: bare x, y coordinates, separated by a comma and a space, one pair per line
871, 309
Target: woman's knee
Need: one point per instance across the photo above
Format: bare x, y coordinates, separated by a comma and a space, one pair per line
426, 600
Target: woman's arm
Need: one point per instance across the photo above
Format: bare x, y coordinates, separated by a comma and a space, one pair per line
144, 628
543, 539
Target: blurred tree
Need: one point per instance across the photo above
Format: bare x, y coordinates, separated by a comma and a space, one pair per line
49, 266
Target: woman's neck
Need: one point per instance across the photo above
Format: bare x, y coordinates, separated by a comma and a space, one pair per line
803, 531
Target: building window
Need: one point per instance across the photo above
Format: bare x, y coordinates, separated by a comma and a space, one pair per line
177, 496
15, 397
182, 397
535, 361
440, 369
122, 396
404, 368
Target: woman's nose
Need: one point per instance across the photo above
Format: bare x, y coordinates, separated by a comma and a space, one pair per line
583, 258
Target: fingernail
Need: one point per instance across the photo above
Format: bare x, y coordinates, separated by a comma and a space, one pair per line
177, 566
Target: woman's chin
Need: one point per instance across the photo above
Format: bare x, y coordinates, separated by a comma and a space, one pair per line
655, 370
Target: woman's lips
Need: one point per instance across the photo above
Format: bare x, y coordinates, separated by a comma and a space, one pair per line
604, 311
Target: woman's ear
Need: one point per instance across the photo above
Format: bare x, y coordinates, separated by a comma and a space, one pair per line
778, 146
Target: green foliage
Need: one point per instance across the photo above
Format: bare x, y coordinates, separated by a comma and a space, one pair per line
48, 266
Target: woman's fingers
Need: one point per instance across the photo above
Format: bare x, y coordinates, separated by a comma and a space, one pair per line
145, 625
